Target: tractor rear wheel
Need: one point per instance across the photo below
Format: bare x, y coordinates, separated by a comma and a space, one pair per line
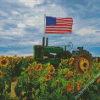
82, 62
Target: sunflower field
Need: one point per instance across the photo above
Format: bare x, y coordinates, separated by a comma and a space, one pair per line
36, 81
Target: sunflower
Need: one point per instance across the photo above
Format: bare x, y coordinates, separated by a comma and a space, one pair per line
31, 68
52, 70
9, 66
98, 65
47, 77
79, 85
60, 64
35, 62
29, 72
79, 81
69, 87
29, 60
4, 62
69, 74
57, 80
39, 67
71, 61
48, 64
96, 60
15, 56
98, 80
56, 85
13, 65
22, 58
36, 76
58, 70
1, 74
12, 60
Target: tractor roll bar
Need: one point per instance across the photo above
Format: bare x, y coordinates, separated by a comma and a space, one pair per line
43, 41
46, 41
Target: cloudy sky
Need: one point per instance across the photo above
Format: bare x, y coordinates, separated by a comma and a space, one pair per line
22, 25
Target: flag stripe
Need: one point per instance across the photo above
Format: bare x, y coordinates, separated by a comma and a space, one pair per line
64, 21
47, 27
63, 24
57, 32
66, 18
59, 26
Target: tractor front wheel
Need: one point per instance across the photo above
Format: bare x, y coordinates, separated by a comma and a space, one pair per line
82, 62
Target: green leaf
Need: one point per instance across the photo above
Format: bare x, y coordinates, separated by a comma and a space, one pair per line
23, 68
37, 91
65, 71
95, 87
41, 79
65, 84
42, 88
22, 73
62, 79
53, 84
58, 90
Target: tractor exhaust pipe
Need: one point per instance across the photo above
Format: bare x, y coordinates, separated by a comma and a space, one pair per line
46, 41
43, 41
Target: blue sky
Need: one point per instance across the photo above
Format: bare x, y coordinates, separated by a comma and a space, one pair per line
22, 25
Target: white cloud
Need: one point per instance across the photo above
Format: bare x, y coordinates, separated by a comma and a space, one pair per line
20, 25
25, 55
31, 3
30, 43
12, 53
3, 13
15, 32
14, 12
86, 31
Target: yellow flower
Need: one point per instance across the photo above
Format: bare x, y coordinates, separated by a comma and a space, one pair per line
48, 64
47, 78
15, 56
13, 65
36, 76
4, 62
1, 74
57, 80
96, 60
39, 67
71, 61
52, 70
58, 70
98, 80
69, 88
9, 66
60, 64
35, 62
56, 85
79, 85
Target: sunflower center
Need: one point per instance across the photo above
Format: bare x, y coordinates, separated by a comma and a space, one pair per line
4, 62
84, 64
0, 73
39, 66
51, 70
47, 77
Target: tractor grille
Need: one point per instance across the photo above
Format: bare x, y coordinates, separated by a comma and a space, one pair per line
39, 52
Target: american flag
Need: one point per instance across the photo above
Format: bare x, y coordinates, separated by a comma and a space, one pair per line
58, 25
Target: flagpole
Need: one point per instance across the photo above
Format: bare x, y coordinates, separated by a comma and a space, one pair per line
44, 24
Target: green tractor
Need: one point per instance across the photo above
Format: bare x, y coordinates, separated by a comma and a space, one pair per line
82, 58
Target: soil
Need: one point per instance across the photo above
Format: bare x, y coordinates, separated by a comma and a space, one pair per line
13, 84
